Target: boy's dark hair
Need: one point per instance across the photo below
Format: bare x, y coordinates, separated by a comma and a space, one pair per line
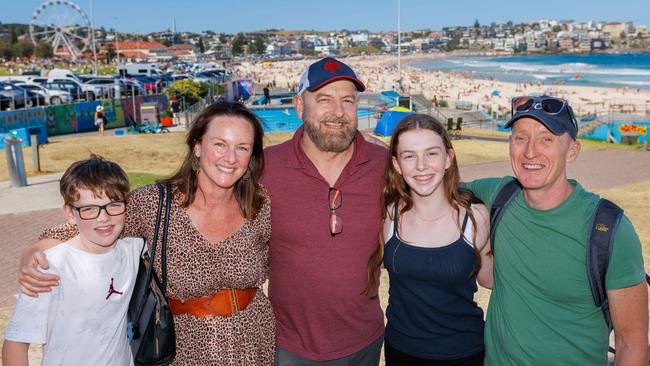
95, 174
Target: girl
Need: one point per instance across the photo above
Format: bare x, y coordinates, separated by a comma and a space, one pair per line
436, 244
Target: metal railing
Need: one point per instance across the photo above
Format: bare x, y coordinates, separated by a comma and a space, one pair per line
187, 115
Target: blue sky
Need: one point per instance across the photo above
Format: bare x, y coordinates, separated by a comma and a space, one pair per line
232, 16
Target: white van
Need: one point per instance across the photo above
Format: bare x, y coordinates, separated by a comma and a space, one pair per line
150, 70
61, 74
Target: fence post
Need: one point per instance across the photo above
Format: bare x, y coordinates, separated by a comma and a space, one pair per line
36, 161
15, 162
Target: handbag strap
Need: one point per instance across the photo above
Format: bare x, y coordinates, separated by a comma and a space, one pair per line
163, 255
152, 255
154, 240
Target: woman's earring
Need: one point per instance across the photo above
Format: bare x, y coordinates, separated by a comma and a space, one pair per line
246, 175
196, 164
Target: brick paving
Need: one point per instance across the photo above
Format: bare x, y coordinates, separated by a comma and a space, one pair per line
16, 232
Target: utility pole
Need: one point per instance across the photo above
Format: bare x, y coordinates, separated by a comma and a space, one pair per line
92, 38
399, 47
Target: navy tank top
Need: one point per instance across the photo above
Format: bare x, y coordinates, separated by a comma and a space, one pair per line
431, 310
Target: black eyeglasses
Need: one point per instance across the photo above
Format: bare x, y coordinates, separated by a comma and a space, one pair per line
548, 105
335, 198
91, 212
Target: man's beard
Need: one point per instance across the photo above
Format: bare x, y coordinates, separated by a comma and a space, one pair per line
331, 142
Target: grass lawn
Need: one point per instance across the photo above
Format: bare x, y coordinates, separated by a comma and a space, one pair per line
161, 154
140, 179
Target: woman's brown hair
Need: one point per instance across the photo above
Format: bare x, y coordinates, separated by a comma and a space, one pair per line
396, 192
248, 192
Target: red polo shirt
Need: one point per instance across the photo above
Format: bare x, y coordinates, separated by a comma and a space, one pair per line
316, 280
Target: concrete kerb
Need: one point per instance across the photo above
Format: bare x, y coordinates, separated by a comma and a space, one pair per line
41, 193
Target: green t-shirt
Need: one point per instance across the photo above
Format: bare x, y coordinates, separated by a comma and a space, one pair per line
541, 309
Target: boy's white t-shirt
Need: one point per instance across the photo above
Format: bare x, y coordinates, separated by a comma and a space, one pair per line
83, 320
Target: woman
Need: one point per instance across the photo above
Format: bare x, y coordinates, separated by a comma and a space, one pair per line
435, 245
218, 241
100, 119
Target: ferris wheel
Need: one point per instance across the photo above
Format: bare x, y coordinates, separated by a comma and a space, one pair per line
62, 24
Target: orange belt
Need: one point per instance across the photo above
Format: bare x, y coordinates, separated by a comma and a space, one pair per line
225, 302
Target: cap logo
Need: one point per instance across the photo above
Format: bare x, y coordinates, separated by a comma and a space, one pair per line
602, 228
332, 66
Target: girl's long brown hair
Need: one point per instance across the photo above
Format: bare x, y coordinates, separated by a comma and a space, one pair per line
397, 193
248, 192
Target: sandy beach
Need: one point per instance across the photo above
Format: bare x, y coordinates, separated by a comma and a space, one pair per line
381, 73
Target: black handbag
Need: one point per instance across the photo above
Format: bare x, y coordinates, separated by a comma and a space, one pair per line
151, 322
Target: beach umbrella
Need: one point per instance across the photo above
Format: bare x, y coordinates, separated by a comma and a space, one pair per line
390, 119
495, 93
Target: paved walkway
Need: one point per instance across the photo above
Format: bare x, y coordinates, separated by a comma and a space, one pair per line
599, 169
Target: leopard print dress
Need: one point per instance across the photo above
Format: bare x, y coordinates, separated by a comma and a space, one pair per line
196, 268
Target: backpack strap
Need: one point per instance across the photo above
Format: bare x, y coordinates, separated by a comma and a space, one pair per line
599, 250
503, 198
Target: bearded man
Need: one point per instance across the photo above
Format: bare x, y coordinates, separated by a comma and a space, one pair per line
325, 185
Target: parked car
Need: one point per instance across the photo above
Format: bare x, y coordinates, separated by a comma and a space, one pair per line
199, 78
88, 92
135, 69
132, 87
179, 77
151, 85
64, 85
14, 97
166, 79
107, 87
52, 97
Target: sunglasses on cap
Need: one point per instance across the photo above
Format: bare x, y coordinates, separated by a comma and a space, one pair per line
549, 105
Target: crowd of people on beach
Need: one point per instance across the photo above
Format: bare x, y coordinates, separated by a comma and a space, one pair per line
318, 216
380, 73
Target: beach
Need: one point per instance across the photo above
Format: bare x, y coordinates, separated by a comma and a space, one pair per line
380, 73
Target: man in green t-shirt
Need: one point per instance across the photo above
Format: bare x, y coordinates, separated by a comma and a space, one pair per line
541, 310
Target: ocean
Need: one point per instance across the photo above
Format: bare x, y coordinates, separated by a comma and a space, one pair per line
609, 70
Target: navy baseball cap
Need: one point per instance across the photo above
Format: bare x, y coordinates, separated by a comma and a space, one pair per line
325, 71
554, 113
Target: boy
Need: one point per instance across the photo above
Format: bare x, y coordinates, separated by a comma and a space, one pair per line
83, 321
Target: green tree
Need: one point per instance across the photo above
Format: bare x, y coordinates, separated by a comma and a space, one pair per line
191, 91
110, 53
43, 50
477, 24
377, 43
200, 45
238, 44
557, 28
13, 37
454, 42
257, 46
6, 51
23, 49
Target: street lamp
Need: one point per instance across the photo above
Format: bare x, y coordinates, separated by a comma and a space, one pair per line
117, 45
